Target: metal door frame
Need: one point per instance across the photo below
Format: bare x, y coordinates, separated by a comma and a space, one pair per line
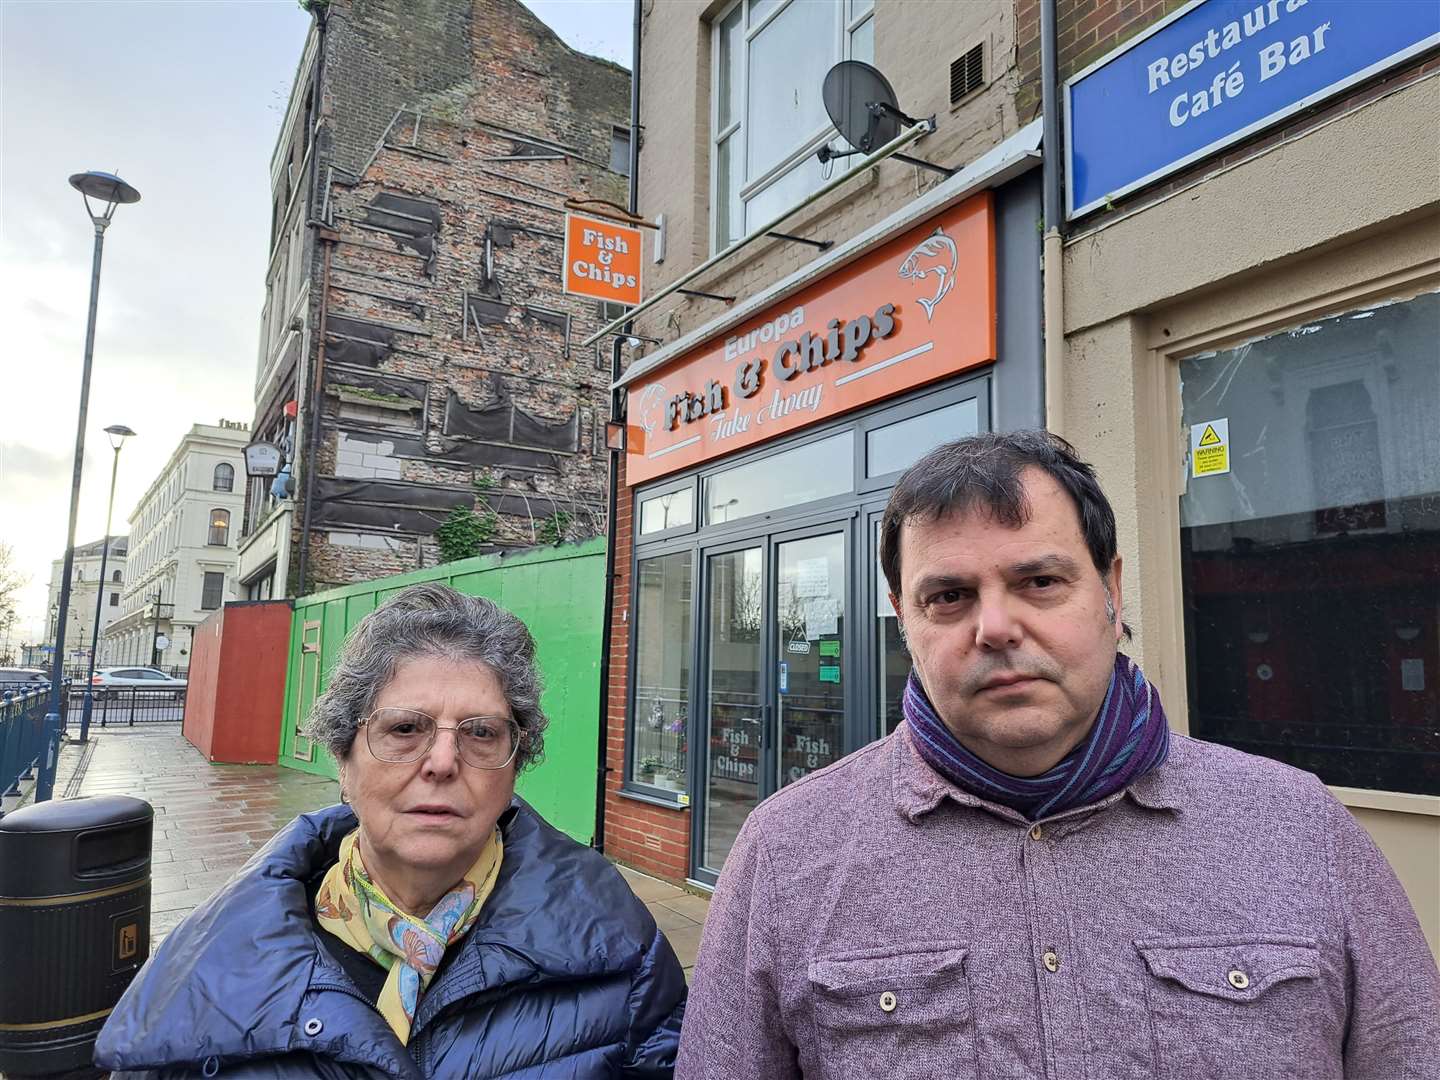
767, 539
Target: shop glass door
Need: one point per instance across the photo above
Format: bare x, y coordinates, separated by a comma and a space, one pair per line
735, 713
775, 654
810, 657
892, 658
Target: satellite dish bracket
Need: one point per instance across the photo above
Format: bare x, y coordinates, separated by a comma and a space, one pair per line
825, 153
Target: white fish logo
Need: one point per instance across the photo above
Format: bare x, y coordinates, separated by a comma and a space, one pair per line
649, 406
937, 255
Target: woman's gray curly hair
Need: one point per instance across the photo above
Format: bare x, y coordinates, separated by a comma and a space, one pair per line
431, 620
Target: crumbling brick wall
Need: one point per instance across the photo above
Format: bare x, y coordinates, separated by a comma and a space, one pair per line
452, 371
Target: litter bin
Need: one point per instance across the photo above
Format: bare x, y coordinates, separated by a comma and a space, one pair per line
74, 925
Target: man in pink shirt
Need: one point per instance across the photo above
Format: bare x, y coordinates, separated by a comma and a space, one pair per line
1032, 877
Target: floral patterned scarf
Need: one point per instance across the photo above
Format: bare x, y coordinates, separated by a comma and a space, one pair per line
355, 909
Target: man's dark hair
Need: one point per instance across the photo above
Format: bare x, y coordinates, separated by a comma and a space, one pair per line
983, 472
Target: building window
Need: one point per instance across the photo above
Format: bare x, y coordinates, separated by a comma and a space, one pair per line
662, 672
620, 150
767, 116
115, 576
668, 510
801, 474
214, 590
1310, 546
219, 528
114, 599
224, 477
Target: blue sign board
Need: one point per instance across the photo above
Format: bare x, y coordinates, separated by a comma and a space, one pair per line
1218, 71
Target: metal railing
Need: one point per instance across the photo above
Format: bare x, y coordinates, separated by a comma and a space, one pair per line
22, 741
126, 706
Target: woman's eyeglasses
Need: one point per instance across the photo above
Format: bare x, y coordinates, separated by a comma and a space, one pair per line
399, 735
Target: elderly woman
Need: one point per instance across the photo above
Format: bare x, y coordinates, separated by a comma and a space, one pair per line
434, 927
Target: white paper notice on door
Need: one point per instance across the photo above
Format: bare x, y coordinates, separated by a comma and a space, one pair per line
812, 577
822, 617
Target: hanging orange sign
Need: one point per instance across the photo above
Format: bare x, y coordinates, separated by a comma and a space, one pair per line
602, 259
916, 309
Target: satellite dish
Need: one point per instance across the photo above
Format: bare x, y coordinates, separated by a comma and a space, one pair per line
861, 105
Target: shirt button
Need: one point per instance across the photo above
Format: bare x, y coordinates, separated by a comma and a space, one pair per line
888, 1002
1051, 961
1238, 979
1036, 832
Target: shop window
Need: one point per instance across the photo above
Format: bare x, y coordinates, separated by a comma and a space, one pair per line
667, 511
224, 479
895, 447
816, 470
1310, 546
219, 528
768, 118
213, 591
661, 647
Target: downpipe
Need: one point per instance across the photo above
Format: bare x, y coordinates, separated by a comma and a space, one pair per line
1053, 251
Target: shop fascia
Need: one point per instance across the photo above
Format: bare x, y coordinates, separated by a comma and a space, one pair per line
915, 308
843, 341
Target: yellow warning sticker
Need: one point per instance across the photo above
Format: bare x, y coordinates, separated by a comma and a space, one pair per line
1210, 448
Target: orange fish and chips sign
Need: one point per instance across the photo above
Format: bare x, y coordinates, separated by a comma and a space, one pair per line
917, 309
602, 259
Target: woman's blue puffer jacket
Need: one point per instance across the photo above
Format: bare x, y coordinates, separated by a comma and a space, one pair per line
564, 975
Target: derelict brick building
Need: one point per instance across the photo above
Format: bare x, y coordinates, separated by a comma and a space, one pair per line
416, 350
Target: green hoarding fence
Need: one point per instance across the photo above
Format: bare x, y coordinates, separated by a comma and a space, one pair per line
559, 592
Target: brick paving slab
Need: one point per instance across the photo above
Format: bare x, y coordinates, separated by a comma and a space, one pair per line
209, 819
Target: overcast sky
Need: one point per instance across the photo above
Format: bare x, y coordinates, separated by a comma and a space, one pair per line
184, 99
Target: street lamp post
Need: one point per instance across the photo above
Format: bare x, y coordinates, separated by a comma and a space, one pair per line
112, 192
118, 434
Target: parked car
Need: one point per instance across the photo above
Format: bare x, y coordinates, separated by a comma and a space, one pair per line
107, 680
15, 680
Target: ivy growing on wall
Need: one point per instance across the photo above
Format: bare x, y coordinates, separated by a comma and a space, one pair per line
554, 527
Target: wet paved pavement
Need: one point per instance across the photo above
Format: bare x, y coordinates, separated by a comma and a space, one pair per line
209, 819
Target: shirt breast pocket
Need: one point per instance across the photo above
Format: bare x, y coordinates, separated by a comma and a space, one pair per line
894, 1012
1248, 1005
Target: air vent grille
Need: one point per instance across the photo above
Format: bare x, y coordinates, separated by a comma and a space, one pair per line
967, 74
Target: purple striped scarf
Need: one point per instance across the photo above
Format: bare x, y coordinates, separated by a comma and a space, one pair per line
1130, 737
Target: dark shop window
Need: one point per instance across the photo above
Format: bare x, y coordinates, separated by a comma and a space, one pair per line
1310, 546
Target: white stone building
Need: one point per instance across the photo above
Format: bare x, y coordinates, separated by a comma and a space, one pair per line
84, 584
183, 536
